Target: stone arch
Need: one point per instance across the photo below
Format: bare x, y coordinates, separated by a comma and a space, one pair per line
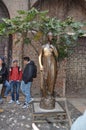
5, 43
64, 8
5, 10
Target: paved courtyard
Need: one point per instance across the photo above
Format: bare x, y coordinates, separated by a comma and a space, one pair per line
16, 118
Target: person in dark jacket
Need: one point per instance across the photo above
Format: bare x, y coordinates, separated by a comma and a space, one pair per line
6, 84
27, 80
3, 75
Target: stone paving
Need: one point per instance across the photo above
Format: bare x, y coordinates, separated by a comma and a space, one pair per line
16, 118
78, 103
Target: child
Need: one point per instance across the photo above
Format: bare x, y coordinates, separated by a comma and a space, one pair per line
15, 77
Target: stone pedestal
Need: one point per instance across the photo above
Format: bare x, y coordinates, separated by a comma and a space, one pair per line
47, 103
43, 115
38, 110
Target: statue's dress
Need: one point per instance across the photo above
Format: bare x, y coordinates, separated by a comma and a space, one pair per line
50, 68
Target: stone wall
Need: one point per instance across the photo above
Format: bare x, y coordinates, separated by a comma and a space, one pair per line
14, 5
64, 8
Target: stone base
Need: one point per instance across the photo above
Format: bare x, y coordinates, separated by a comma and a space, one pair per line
47, 103
38, 110
44, 115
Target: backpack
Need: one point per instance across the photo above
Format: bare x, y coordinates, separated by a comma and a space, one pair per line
34, 70
12, 69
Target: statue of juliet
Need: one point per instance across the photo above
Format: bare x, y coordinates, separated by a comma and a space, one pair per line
48, 69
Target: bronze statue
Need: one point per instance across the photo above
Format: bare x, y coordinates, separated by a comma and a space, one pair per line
48, 68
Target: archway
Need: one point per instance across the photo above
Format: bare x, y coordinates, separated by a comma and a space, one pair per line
5, 43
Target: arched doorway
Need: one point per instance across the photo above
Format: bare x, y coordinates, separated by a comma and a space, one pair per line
5, 43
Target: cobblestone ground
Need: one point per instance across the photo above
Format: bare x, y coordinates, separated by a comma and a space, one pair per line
16, 118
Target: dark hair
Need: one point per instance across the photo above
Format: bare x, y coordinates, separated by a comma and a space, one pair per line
2, 58
26, 58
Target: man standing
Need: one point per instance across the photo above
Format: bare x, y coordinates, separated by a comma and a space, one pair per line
27, 80
15, 77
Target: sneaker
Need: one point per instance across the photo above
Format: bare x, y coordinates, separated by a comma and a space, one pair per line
11, 101
26, 105
17, 102
31, 100
4, 96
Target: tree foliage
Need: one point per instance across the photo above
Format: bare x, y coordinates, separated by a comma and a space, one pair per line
65, 33
39, 24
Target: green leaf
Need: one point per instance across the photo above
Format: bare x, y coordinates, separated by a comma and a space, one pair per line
27, 41
21, 12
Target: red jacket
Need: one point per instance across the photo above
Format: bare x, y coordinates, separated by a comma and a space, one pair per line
15, 73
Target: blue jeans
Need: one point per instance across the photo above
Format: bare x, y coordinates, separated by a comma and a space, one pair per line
26, 90
15, 86
0, 97
1, 85
8, 88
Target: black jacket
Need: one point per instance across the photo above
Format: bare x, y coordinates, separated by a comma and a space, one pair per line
28, 72
3, 74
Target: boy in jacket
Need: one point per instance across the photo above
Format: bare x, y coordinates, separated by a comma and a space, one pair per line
27, 80
15, 77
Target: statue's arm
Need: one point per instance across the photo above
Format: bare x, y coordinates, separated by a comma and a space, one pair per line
55, 52
41, 59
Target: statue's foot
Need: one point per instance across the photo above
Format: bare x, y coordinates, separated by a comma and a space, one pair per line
47, 103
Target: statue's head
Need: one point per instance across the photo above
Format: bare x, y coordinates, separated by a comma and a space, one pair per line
50, 36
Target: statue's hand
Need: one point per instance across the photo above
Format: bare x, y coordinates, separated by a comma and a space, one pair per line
41, 68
